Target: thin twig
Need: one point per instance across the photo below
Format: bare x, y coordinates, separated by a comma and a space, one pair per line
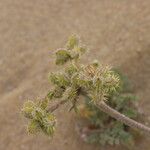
56, 106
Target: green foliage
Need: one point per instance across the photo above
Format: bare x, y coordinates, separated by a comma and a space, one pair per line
112, 136
95, 82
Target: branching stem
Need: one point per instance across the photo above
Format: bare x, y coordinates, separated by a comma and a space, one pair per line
111, 112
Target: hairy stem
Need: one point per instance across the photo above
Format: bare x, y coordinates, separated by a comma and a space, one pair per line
127, 121
111, 112
56, 106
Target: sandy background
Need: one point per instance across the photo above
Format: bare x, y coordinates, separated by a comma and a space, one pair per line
116, 31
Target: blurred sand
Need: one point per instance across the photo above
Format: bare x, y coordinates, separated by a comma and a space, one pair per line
117, 32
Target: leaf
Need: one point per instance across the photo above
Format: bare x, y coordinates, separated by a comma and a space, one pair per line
39, 114
33, 127
50, 95
62, 56
72, 42
28, 108
48, 124
70, 93
59, 79
71, 69
79, 49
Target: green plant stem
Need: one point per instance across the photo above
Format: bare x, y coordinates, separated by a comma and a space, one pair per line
122, 118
